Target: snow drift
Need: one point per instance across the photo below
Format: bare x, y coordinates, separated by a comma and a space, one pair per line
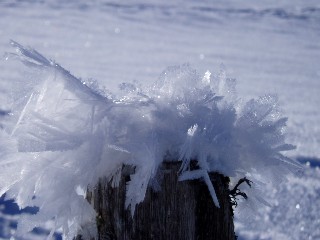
62, 134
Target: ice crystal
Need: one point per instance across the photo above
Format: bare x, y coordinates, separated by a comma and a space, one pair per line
63, 134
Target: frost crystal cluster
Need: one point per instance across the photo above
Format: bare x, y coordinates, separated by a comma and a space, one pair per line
62, 134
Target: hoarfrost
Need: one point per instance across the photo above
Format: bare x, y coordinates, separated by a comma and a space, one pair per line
63, 134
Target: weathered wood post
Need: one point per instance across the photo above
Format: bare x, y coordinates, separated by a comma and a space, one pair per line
180, 210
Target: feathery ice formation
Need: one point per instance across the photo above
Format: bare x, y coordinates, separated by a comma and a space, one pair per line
62, 134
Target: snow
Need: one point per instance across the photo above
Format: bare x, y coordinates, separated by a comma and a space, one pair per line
269, 46
295, 211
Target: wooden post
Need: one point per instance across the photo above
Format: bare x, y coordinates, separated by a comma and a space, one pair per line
180, 210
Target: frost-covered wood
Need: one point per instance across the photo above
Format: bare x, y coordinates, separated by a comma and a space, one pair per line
64, 134
180, 210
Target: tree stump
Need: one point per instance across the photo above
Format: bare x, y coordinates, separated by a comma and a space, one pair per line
181, 210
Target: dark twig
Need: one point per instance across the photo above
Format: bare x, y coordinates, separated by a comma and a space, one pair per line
236, 191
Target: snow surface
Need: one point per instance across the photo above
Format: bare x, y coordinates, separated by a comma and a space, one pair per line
269, 46
295, 211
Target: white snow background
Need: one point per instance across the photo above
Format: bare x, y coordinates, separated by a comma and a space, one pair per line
268, 46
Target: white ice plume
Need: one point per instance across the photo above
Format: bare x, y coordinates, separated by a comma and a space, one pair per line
63, 134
